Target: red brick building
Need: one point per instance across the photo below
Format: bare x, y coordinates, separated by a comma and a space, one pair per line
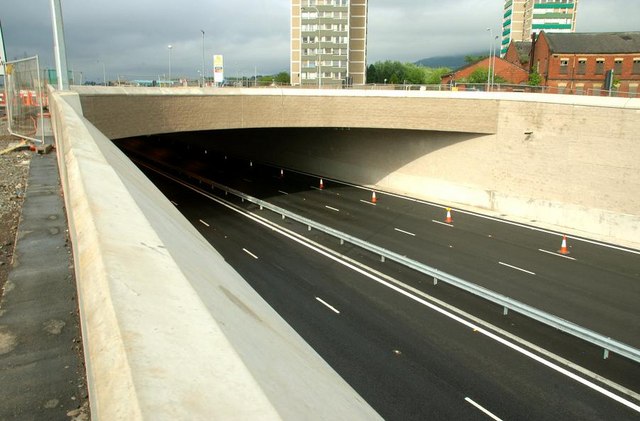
510, 72
576, 63
519, 53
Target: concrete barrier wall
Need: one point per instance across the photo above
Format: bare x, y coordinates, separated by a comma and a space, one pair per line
568, 163
167, 336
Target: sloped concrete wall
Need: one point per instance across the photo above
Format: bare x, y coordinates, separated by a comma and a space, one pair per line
165, 336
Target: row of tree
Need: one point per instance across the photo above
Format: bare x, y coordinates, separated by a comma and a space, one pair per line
395, 72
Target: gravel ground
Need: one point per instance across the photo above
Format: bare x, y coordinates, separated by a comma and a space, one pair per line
14, 169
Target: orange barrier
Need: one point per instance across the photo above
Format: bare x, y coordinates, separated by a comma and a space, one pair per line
30, 98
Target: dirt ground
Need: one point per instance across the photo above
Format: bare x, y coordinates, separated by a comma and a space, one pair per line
14, 169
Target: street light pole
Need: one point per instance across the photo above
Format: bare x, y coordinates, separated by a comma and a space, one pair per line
59, 45
495, 50
202, 57
490, 54
170, 48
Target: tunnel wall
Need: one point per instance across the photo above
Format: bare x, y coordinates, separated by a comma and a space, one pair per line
567, 163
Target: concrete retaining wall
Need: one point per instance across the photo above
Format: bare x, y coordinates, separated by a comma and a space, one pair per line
167, 337
568, 163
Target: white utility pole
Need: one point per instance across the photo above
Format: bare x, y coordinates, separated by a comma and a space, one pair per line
59, 48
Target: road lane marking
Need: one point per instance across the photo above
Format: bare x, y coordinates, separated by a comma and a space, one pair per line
367, 202
517, 268
556, 254
442, 223
283, 192
174, 203
250, 254
204, 223
405, 232
332, 308
482, 409
314, 187
519, 345
333, 209
489, 217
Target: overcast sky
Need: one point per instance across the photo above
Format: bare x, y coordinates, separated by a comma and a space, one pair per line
131, 37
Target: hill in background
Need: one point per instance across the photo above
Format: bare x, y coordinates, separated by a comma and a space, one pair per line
452, 62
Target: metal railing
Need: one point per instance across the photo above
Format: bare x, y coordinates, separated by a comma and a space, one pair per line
606, 343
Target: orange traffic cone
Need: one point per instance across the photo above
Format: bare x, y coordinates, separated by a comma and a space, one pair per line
321, 184
449, 219
374, 199
563, 246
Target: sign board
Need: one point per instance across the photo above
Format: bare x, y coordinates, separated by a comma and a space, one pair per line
218, 68
3, 54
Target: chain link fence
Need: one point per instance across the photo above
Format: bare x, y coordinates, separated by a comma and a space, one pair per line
25, 99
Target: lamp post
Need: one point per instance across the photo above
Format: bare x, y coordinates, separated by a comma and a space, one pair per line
495, 50
202, 57
170, 48
59, 45
490, 54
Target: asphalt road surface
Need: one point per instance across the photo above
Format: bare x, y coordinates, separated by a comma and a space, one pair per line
595, 286
407, 355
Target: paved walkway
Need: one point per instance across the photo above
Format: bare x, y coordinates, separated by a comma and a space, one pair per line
42, 375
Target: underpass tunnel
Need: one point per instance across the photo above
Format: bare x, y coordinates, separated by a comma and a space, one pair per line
368, 157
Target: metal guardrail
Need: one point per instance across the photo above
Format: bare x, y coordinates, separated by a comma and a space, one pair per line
608, 344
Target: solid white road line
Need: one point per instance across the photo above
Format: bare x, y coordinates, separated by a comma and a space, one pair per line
174, 203
442, 223
482, 409
204, 223
333, 209
314, 187
405, 232
332, 308
247, 180
283, 192
557, 254
517, 268
367, 202
250, 254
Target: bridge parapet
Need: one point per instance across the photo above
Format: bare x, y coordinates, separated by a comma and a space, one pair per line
165, 336
157, 110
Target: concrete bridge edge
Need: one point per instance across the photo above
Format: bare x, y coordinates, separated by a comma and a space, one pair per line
165, 334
